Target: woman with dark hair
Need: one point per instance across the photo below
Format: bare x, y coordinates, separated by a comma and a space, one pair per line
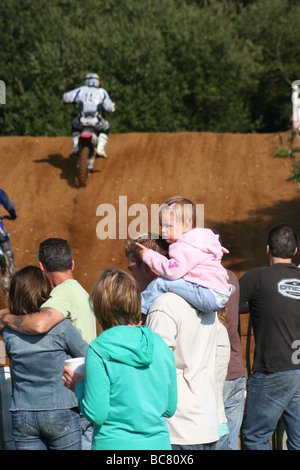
130, 384
44, 413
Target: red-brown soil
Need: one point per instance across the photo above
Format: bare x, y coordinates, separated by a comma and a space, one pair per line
242, 185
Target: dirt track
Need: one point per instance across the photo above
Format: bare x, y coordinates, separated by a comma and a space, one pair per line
237, 177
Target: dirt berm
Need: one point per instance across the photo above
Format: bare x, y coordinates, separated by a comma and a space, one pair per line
242, 185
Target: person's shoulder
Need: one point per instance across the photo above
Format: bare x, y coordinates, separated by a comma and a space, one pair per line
291, 269
59, 288
6, 332
256, 271
168, 297
171, 302
74, 90
232, 276
160, 343
61, 327
192, 234
69, 285
290, 265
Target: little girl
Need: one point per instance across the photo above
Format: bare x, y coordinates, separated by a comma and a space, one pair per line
193, 270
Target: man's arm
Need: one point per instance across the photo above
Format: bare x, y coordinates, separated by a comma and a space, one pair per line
32, 324
161, 320
9, 205
249, 287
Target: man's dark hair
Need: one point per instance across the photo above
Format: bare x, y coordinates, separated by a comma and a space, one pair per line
282, 240
151, 241
55, 254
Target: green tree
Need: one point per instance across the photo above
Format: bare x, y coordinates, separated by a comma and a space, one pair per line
273, 28
170, 65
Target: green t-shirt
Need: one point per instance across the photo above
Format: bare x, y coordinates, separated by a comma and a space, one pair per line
72, 301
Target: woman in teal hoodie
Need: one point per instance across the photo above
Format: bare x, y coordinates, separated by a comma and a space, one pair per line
129, 386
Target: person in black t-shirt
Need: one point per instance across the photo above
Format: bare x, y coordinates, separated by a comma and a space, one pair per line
273, 388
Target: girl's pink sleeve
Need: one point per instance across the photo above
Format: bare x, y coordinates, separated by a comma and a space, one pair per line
180, 263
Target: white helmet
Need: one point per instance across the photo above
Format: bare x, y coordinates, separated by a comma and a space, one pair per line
92, 79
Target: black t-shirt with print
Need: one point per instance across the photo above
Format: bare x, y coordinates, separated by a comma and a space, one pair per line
273, 294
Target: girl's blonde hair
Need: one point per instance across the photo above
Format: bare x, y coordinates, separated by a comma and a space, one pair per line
222, 315
115, 299
184, 211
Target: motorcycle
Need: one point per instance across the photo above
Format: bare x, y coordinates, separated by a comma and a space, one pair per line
7, 268
87, 144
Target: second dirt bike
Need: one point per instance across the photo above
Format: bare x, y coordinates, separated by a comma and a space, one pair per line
7, 266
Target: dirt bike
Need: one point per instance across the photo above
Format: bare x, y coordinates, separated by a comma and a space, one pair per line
7, 267
87, 144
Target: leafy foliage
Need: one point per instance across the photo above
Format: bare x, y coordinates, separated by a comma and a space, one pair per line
291, 153
170, 65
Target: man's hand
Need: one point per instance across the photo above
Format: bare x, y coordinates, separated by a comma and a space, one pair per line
2, 324
3, 312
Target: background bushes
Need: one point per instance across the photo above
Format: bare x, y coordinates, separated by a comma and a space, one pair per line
170, 65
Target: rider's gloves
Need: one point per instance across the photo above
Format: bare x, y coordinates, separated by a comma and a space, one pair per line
13, 215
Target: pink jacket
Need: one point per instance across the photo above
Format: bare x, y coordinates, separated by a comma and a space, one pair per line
195, 257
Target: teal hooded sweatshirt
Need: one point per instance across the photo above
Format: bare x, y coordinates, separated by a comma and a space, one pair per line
129, 389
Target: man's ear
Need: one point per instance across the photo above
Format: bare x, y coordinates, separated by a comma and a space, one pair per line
73, 265
296, 251
42, 266
268, 250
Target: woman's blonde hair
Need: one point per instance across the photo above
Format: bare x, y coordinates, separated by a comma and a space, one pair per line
115, 299
184, 211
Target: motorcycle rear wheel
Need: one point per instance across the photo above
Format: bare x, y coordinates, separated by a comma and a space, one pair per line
3, 293
83, 168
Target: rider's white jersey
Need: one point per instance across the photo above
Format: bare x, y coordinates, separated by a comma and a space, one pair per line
89, 98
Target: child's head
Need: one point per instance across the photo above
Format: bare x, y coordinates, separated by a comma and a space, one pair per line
176, 216
29, 288
116, 299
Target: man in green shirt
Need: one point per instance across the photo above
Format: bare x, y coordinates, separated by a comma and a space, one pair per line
68, 299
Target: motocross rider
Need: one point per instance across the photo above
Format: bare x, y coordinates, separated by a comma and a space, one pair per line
6, 253
296, 106
92, 100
